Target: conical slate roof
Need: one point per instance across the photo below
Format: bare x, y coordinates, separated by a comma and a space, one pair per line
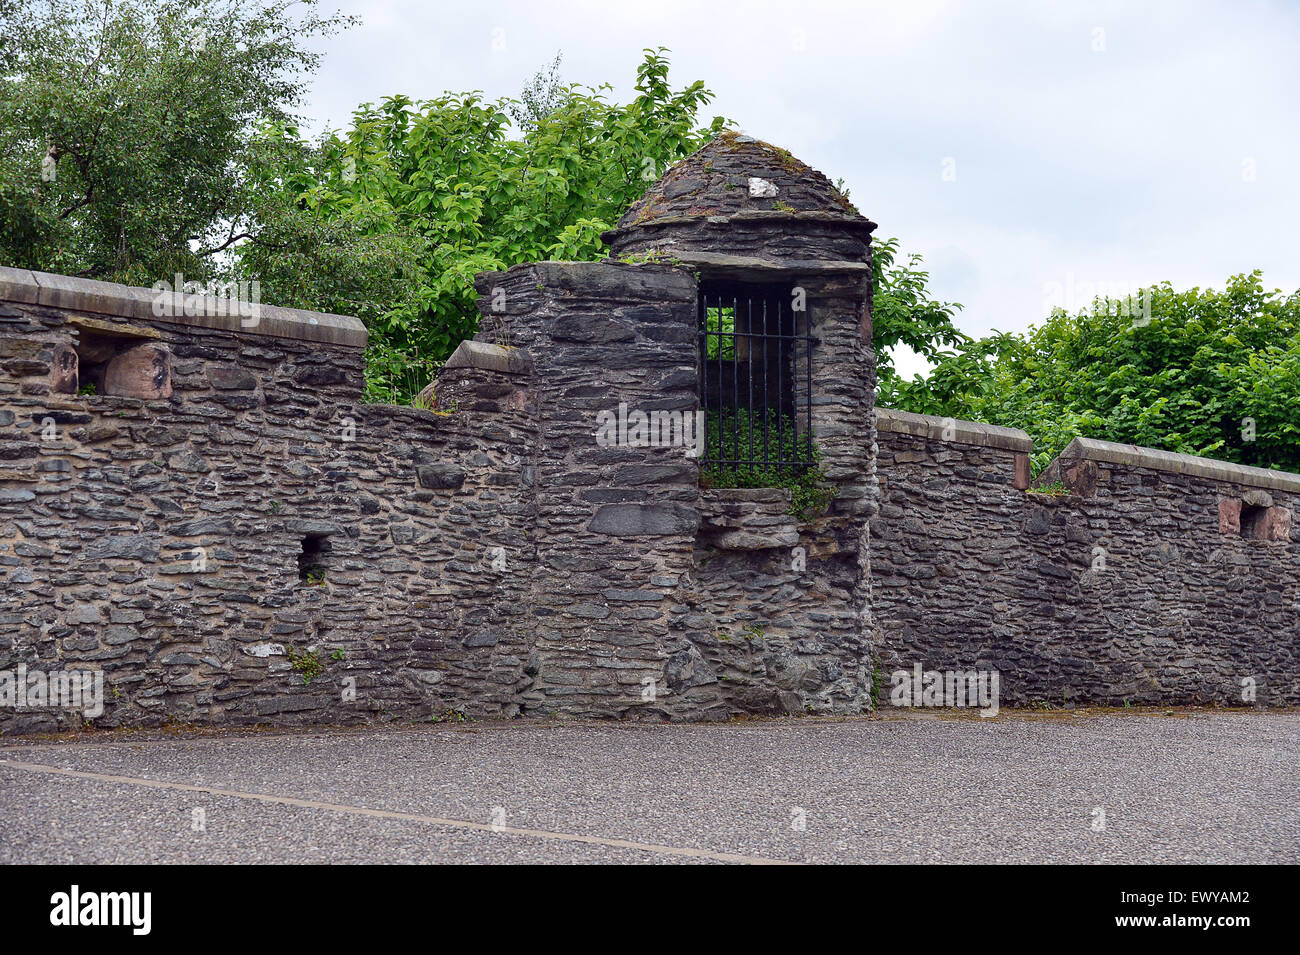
737, 184
715, 180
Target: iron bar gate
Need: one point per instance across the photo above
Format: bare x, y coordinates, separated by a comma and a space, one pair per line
755, 383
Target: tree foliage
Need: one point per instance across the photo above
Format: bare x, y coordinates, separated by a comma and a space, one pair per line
439, 190
1214, 373
903, 312
139, 138
126, 128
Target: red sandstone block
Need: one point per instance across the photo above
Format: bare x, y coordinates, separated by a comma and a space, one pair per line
1229, 515
140, 372
65, 377
1277, 524
1022, 479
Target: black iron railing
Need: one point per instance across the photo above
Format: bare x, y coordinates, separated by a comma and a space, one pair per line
755, 383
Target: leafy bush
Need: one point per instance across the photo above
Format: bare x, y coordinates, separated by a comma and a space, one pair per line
1207, 372
720, 323
903, 313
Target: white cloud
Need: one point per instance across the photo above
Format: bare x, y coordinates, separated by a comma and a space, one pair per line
1124, 165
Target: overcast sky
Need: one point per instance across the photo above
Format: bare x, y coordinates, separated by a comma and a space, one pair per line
1026, 149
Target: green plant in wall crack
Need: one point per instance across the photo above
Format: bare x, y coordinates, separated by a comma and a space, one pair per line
877, 684
653, 257
773, 454
811, 497
1055, 489
306, 662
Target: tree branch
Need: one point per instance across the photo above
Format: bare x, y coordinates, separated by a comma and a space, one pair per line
227, 244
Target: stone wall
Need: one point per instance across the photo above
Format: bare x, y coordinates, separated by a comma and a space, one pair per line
647, 607
230, 535
1138, 586
780, 611
160, 540
613, 525
777, 617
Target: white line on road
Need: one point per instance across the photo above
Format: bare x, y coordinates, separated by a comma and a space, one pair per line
403, 816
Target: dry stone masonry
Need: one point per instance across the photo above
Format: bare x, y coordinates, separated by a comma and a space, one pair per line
1141, 585
229, 535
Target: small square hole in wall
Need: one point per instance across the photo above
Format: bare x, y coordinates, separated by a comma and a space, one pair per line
124, 365
1254, 521
311, 562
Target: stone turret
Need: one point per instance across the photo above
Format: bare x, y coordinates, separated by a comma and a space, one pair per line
743, 206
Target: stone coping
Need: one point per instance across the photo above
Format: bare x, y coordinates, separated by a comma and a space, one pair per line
793, 221
752, 265
107, 298
963, 432
746, 495
1131, 455
490, 357
852, 223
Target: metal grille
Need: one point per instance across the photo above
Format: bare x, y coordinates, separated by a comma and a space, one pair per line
755, 382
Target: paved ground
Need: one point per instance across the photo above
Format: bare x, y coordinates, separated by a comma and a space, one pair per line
1192, 787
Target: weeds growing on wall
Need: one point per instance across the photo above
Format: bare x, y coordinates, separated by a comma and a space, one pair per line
306, 662
1055, 489
780, 456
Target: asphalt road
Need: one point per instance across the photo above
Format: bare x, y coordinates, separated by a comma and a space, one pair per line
1063, 787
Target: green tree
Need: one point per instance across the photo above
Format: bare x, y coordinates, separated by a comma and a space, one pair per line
140, 138
449, 185
903, 312
1197, 372
540, 98
127, 128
